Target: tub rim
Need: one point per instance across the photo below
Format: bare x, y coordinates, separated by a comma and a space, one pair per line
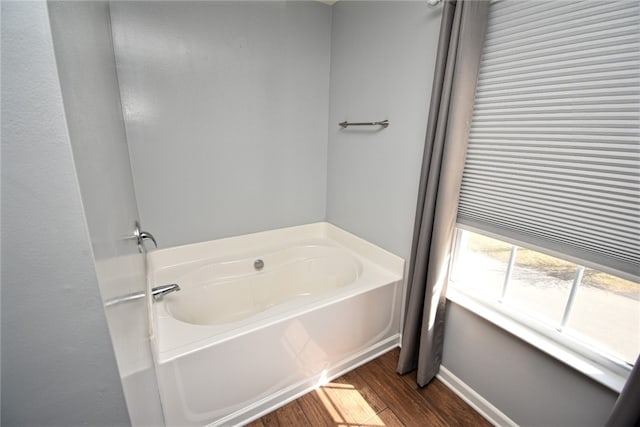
379, 268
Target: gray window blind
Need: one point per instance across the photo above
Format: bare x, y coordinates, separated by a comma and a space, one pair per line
554, 147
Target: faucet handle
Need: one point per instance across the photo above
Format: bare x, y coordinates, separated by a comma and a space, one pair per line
146, 235
141, 235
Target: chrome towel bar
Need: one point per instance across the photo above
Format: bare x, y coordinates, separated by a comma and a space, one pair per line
384, 124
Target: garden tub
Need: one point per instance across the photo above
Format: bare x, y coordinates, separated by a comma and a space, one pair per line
264, 318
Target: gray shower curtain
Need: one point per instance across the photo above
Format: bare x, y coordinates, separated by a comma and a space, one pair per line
626, 411
458, 59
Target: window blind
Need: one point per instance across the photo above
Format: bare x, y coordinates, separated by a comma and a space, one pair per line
554, 147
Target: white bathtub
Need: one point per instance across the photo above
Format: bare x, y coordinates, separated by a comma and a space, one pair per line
237, 342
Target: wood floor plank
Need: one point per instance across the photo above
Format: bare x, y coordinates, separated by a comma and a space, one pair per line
256, 423
398, 395
290, 415
374, 395
319, 410
390, 359
350, 406
385, 418
454, 410
369, 396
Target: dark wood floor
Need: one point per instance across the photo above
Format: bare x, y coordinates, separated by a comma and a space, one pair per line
374, 395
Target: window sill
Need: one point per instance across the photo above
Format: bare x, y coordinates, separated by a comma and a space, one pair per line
612, 377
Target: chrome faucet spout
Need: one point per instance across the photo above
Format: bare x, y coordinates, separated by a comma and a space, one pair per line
159, 291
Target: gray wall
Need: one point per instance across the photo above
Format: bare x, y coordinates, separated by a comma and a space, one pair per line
225, 105
58, 365
529, 386
382, 64
86, 66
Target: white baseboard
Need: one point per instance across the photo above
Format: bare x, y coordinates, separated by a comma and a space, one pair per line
475, 400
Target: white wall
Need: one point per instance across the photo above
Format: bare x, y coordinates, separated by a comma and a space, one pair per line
86, 66
58, 365
382, 63
225, 105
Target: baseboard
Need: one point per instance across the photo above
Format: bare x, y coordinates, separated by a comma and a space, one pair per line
475, 400
282, 397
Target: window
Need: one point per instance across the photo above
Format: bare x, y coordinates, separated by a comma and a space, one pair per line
595, 310
549, 207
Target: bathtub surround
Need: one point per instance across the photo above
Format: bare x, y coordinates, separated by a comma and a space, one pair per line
86, 65
58, 364
382, 64
225, 106
463, 28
